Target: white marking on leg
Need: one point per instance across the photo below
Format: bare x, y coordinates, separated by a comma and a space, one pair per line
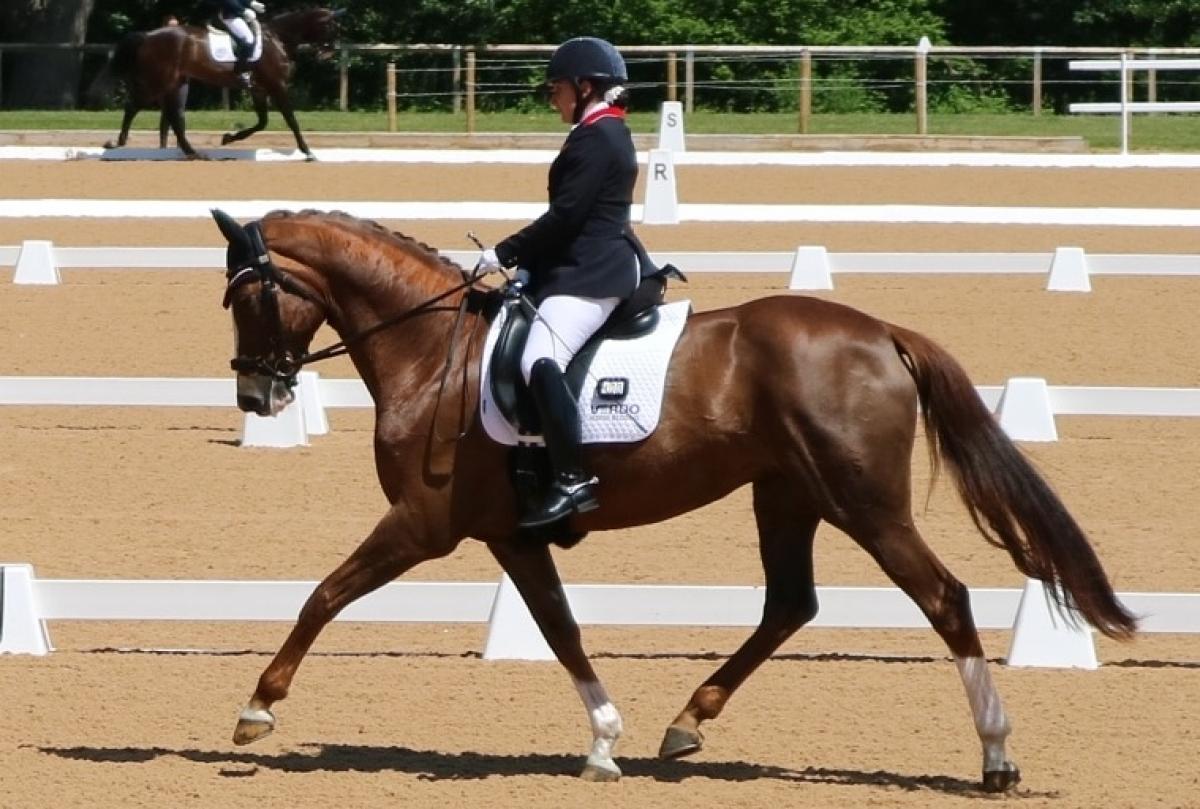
256, 715
606, 724
990, 720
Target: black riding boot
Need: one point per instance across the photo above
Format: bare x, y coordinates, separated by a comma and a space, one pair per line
572, 489
241, 63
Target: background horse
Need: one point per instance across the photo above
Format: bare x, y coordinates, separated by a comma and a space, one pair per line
812, 403
153, 64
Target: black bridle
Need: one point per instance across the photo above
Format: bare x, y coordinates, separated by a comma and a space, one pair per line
279, 363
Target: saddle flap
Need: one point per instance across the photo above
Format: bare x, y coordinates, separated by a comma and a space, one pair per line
221, 46
618, 384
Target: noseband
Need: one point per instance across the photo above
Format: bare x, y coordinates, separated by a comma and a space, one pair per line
279, 363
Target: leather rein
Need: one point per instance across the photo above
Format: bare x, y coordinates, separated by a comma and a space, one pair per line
280, 363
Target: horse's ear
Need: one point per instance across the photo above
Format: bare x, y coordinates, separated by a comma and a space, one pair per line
241, 250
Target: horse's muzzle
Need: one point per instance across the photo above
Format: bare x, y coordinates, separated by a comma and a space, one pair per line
262, 395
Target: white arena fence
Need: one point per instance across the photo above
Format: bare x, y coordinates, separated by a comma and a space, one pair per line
1041, 636
1125, 67
1025, 407
809, 267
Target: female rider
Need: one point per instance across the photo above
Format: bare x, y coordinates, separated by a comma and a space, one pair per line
580, 253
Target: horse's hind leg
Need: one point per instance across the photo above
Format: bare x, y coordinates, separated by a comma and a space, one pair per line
172, 110
392, 548
786, 527
532, 570
131, 111
899, 549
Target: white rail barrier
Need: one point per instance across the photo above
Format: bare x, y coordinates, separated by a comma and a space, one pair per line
808, 266
1041, 637
483, 210
1126, 107
1025, 406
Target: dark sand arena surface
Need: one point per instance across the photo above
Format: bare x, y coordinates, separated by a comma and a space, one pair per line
409, 715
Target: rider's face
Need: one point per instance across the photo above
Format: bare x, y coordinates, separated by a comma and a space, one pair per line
562, 98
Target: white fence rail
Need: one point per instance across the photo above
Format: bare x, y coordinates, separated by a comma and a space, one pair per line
1125, 66
808, 266
1040, 636
1026, 407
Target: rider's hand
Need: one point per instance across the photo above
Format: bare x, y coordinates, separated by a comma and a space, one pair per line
257, 6
488, 262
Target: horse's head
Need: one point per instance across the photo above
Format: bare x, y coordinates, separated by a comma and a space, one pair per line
275, 316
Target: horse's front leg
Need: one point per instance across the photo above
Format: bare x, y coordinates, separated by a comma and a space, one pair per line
285, 109
393, 547
260, 109
533, 572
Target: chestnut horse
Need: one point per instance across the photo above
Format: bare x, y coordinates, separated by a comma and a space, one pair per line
812, 403
155, 63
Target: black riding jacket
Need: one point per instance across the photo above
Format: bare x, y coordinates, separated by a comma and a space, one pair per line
583, 245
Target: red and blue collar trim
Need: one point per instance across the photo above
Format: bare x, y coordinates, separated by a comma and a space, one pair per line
601, 112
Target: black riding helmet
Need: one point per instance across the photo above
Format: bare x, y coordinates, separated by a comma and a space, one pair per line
588, 58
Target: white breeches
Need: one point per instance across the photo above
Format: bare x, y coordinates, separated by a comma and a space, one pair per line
563, 324
240, 29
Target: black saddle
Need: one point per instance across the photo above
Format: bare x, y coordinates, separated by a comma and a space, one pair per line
635, 316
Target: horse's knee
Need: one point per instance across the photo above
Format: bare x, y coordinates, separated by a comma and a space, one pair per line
792, 609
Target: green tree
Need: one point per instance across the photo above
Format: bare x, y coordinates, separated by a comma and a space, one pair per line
43, 78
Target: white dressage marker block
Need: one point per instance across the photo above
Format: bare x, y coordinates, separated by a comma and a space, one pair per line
285, 430
309, 394
670, 126
662, 204
36, 264
1069, 271
1044, 637
22, 631
1024, 411
512, 633
810, 269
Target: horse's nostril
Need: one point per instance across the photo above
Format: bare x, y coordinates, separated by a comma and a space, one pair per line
250, 404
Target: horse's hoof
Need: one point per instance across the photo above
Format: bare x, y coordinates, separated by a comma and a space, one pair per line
253, 724
601, 772
309, 157
1002, 780
226, 139
194, 156
108, 144
679, 742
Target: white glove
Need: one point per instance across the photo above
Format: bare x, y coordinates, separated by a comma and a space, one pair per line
249, 16
488, 262
257, 6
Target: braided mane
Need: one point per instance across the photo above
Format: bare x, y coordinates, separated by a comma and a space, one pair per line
408, 244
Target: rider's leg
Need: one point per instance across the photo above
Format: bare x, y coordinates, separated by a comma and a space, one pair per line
563, 325
243, 46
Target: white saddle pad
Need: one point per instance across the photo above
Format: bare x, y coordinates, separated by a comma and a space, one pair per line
621, 399
220, 47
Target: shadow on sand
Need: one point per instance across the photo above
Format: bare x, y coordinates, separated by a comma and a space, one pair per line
435, 765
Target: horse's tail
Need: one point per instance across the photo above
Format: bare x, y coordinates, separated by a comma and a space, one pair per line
1008, 500
119, 67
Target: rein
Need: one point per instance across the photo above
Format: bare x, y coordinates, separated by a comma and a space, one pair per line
281, 365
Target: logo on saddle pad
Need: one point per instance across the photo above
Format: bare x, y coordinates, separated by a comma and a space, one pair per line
220, 47
622, 398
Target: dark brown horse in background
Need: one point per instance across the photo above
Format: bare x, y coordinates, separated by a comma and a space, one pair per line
155, 63
810, 402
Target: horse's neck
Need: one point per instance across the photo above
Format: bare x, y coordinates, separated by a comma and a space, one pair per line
288, 30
